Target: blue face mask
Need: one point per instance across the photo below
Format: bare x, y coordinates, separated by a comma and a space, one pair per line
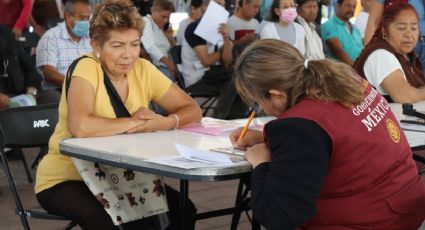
81, 28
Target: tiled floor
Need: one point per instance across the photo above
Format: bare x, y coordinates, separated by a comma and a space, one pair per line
205, 195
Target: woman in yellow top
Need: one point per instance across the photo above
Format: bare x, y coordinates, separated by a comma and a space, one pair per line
86, 111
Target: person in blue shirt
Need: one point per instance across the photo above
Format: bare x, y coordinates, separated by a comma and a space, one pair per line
375, 17
341, 36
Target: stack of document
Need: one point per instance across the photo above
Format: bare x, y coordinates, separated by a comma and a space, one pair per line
413, 125
189, 158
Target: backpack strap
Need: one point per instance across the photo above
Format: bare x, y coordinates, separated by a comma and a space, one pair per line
116, 102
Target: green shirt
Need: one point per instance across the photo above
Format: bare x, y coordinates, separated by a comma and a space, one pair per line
352, 43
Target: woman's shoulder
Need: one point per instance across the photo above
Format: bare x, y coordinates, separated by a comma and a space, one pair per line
89, 60
299, 29
380, 55
268, 29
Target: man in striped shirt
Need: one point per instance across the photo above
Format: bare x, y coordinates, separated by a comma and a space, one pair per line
64, 43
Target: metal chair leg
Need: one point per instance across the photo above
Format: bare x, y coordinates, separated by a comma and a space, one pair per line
14, 191
24, 162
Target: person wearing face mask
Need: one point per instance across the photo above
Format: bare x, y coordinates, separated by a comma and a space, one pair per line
62, 44
282, 14
341, 36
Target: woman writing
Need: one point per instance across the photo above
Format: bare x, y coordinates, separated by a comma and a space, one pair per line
389, 63
85, 110
323, 163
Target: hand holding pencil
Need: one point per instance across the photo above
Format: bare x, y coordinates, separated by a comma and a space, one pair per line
244, 137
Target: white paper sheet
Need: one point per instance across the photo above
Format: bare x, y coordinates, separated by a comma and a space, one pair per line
208, 26
22, 100
203, 156
190, 158
181, 162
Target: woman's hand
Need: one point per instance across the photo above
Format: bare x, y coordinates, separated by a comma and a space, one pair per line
258, 154
251, 138
152, 121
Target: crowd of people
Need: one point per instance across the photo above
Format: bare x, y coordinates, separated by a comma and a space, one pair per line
306, 74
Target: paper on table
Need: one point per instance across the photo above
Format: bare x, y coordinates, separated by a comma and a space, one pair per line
181, 162
210, 21
229, 150
195, 158
412, 127
201, 155
212, 126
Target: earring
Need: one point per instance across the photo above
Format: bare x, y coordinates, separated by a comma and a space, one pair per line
97, 55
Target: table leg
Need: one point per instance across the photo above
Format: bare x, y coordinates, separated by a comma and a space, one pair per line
184, 191
238, 202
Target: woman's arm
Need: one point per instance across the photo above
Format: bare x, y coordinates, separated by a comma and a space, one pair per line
227, 56
400, 90
82, 120
373, 21
176, 102
284, 191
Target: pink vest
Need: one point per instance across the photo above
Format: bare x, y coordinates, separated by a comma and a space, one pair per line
372, 180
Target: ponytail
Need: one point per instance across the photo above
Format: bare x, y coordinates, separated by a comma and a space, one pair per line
273, 64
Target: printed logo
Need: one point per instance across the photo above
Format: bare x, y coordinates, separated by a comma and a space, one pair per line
393, 130
41, 123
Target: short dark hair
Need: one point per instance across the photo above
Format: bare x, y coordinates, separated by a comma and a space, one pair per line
68, 5
165, 5
241, 2
302, 2
196, 3
340, 2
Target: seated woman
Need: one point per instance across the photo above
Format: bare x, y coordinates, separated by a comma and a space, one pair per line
282, 14
309, 172
156, 39
307, 12
389, 63
86, 111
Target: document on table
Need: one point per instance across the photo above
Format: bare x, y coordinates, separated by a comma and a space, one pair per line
196, 158
212, 126
210, 21
229, 150
413, 125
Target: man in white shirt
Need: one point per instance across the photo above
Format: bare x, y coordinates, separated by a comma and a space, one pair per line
62, 44
242, 25
157, 40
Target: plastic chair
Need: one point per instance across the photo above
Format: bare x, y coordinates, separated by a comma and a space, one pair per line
210, 97
27, 127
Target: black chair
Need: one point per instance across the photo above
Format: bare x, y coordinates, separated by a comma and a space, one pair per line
27, 127
210, 98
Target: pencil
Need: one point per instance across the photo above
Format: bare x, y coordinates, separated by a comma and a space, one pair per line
245, 129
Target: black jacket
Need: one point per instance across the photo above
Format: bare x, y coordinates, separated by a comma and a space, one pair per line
21, 69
